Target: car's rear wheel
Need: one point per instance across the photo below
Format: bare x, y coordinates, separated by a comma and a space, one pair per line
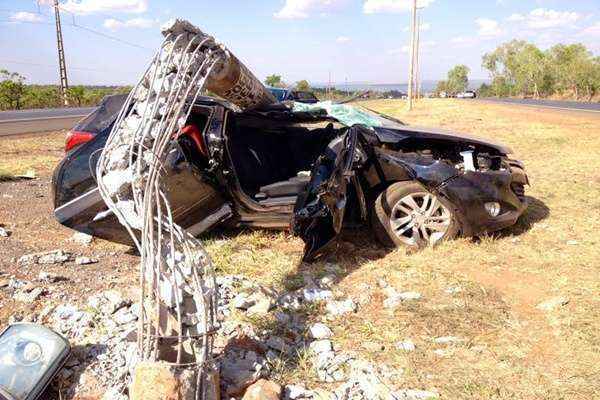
407, 215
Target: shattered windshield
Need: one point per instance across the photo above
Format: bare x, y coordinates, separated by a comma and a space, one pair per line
346, 114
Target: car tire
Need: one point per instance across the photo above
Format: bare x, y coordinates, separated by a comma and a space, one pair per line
389, 216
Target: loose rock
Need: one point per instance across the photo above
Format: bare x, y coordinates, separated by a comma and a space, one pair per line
320, 331
45, 258
85, 261
336, 308
553, 303
263, 390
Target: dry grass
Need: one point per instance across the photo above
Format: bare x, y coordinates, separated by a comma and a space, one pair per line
511, 349
39, 153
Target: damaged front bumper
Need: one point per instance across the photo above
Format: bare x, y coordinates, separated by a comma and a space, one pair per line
470, 192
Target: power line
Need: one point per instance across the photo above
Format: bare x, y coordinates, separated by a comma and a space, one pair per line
54, 66
78, 26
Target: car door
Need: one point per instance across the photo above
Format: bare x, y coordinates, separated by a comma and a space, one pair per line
196, 203
319, 211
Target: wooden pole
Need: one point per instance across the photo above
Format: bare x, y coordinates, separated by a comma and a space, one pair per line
412, 56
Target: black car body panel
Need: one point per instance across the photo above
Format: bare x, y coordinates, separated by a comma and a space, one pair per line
275, 168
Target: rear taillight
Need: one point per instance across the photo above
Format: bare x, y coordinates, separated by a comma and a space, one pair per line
76, 138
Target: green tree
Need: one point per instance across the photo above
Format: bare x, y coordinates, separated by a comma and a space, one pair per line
12, 90
303, 85
458, 79
442, 87
274, 81
76, 95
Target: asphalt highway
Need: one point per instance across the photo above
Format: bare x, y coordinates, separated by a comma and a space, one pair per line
552, 104
32, 121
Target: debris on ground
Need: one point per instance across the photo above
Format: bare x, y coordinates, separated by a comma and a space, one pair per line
45, 258
85, 261
82, 238
553, 303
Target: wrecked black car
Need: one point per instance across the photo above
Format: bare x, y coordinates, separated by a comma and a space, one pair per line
312, 168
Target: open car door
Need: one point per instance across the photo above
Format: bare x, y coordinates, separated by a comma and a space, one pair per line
319, 211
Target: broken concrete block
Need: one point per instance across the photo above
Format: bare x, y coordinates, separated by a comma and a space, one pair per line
263, 390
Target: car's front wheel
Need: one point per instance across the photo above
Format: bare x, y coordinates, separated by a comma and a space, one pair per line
406, 214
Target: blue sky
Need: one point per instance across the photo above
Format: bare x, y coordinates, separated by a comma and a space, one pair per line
354, 40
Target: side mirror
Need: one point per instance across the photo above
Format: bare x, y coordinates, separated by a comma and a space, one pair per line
30, 356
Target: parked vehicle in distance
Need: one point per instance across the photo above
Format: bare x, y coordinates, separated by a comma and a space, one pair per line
300, 96
308, 171
469, 94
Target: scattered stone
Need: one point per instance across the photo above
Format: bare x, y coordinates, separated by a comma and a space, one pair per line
282, 317
394, 298
448, 340
82, 238
262, 306
410, 295
454, 290
45, 258
440, 352
406, 345
263, 390
243, 301
239, 373
315, 294
48, 277
29, 296
327, 281
277, 343
553, 303
4, 232
321, 346
108, 302
411, 394
85, 261
336, 308
320, 331
297, 392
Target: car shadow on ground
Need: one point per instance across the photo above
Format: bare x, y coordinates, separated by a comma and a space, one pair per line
536, 211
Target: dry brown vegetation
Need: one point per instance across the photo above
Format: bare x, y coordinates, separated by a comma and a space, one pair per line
484, 292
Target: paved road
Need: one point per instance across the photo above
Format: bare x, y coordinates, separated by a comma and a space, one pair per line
30, 121
553, 104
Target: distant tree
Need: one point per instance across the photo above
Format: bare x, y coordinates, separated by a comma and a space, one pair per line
76, 95
274, 81
303, 85
442, 87
41, 97
12, 90
458, 79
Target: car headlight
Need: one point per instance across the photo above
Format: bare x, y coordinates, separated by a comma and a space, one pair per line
30, 356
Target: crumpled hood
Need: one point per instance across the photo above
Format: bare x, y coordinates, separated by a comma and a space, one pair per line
389, 134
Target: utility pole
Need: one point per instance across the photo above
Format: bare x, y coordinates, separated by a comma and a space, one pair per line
64, 84
412, 56
418, 58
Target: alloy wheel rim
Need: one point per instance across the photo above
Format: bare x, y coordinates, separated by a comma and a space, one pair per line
420, 219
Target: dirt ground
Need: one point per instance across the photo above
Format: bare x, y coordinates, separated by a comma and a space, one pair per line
486, 293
